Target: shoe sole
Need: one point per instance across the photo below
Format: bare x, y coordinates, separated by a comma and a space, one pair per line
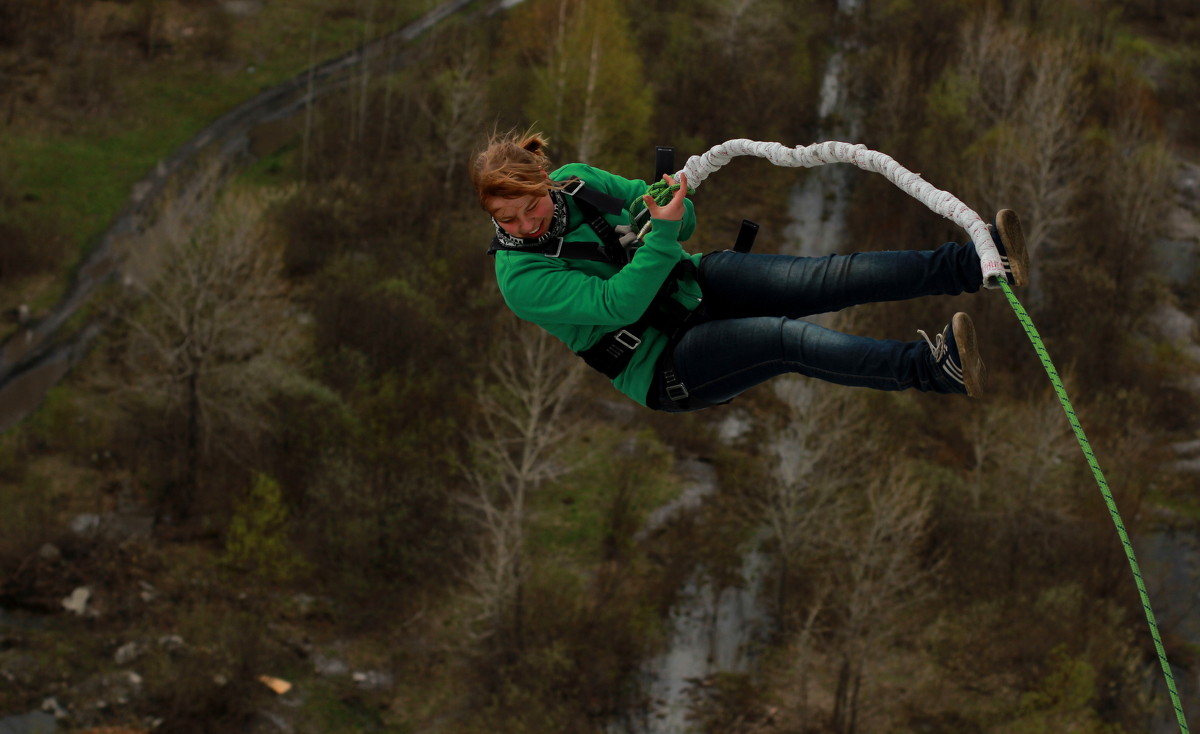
968, 353
1008, 226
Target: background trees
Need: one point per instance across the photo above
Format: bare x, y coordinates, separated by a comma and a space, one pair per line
320, 350
215, 341
520, 445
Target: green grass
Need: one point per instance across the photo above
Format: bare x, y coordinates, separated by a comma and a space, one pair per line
570, 518
345, 713
81, 177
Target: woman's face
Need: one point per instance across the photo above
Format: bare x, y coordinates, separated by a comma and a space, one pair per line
524, 216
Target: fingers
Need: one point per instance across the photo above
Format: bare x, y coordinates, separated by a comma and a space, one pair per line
672, 209
671, 179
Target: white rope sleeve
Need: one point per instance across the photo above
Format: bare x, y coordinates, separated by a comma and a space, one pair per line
699, 167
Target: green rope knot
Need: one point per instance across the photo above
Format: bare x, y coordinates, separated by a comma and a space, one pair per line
661, 192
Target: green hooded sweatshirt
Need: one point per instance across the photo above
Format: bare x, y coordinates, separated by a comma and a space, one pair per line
579, 301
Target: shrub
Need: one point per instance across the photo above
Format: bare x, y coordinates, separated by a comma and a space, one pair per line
258, 534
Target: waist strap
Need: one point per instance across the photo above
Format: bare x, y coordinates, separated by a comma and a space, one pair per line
613, 352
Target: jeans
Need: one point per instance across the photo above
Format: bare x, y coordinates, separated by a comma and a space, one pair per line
754, 304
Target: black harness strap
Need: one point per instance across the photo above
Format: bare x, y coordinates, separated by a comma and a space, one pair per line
613, 352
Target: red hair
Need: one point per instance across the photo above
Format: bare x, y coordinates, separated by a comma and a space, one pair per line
511, 166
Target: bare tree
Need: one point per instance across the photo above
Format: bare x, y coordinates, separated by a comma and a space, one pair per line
853, 531
1016, 446
1136, 183
1029, 103
812, 476
516, 449
209, 345
455, 107
883, 574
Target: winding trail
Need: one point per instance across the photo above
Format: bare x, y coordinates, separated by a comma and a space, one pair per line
180, 188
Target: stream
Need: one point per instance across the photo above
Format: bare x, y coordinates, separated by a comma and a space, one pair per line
716, 629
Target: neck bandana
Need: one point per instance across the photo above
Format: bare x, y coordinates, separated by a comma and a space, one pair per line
558, 226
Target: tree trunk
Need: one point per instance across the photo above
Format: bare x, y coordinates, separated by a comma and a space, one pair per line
190, 482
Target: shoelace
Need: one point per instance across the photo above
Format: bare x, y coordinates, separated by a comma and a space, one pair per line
938, 346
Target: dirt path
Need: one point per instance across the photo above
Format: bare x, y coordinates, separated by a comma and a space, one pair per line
180, 190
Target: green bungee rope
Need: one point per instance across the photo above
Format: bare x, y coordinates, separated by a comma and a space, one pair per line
661, 192
1032, 332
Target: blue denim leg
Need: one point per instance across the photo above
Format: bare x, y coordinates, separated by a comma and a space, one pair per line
756, 302
737, 284
719, 360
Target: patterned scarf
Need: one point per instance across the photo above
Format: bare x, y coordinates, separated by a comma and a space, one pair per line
558, 226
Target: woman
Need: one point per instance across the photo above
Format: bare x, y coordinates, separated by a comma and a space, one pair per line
676, 331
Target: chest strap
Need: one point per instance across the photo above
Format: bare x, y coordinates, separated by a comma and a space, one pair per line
593, 205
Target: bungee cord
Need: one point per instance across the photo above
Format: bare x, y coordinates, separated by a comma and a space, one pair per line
1084, 445
699, 167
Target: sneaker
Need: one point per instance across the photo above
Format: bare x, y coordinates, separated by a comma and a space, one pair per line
956, 351
1010, 241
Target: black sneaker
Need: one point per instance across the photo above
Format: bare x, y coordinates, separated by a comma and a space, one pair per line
1010, 241
956, 351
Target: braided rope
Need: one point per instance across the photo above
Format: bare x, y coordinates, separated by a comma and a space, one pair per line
698, 168
1040, 347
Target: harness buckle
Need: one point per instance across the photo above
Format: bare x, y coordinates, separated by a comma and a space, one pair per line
577, 184
633, 342
676, 390
558, 252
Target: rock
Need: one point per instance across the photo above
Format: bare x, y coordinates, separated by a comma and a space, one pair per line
171, 643
77, 601
373, 680
128, 652
328, 665
114, 526
85, 524
148, 592
52, 707
1174, 324
49, 552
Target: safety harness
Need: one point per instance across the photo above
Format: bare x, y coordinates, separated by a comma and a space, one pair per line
615, 349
